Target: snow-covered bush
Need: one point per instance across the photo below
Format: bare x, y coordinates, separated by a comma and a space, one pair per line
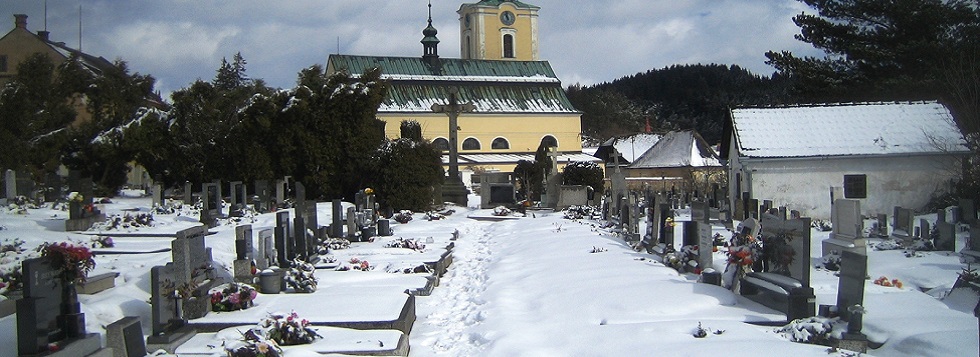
336, 243
813, 330
287, 330
413, 244
683, 260
12, 253
433, 216
126, 221
253, 344
232, 296
403, 216
102, 242
579, 212
501, 211
300, 277
822, 225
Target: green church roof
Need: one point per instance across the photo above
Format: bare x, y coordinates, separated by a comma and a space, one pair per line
492, 86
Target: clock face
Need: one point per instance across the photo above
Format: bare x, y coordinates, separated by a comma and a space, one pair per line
507, 18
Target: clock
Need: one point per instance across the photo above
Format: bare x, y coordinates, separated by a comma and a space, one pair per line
507, 18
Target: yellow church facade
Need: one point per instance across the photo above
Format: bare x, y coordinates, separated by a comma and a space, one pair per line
519, 102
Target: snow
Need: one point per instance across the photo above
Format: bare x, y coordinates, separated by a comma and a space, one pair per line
847, 129
532, 286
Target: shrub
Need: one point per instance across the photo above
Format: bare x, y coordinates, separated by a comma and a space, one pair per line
584, 173
232, 296
300, 277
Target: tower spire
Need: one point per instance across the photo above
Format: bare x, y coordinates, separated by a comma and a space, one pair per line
430, 43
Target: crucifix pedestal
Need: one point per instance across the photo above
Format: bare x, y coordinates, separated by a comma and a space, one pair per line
453, 189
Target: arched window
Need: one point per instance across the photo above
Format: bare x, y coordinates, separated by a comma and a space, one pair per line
469, 47
549, 141
441, 143
500, 144
471, 144
508, 46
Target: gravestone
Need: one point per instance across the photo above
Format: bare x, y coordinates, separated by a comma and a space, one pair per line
880, 230
652, 236
787, 243
192, 269
666, 225
125, 337
10, 184
572, 195
848, 228
53, 190
267, 249
336, 225
691, 233
968, 211
738, 210
902, 227
700, 212
301, 244
188, 193
766, 205
924, 231
313, 222
239, 197
38, 310
263, 197
850, 298
168, 325
705, 245
81, 214
281, 188
941, 215
783, 213
242, 265
496, 188
299, 202
352, 228
384, 228
946, 241
284, 241
211, 204
752, 208
157, 193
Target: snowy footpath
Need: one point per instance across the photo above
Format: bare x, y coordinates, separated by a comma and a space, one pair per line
549, 286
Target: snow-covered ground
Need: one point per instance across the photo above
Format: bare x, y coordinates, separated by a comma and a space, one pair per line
547, 286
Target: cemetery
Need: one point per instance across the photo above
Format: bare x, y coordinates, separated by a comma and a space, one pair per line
230, 263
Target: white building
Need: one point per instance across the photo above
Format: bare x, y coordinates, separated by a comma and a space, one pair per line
885, 154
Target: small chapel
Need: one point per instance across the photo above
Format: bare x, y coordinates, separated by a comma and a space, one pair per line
516, 102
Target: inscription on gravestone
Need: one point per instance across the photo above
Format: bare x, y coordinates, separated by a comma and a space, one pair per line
38, 310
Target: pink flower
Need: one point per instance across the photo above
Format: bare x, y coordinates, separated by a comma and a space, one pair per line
234, 298
252, 294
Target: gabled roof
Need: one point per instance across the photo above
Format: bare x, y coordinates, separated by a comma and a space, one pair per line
678, 149
899, 128
492, 86
629, 147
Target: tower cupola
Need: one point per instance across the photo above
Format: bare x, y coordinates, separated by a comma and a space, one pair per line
430, 43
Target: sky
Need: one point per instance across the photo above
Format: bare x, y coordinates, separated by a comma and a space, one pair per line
586, 42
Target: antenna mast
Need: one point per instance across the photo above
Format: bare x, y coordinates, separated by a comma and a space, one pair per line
45, 15
79, 28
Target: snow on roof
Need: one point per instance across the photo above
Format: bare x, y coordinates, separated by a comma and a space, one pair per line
847, 129
678, 149
629, 147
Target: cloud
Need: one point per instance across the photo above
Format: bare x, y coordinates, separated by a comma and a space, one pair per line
586, 41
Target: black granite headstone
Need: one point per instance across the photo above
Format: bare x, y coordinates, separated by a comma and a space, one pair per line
38, 310
850, 291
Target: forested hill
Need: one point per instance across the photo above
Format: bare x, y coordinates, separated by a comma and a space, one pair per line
676, 97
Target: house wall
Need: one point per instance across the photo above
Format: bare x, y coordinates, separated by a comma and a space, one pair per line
804, 184
19, 44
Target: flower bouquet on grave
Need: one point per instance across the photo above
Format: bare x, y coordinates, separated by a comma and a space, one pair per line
287, 330
403, 216
74, 261
683, 260
743, 251
232, 296
253, 344
300, 277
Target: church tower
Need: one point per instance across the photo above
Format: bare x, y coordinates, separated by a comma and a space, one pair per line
498, 30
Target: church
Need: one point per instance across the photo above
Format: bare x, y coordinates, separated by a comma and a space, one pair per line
518, 102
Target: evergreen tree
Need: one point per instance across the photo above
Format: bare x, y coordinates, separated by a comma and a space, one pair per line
584, 173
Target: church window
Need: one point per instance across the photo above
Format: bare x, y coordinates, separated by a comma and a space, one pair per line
441, 143
469, 48
508, 46
471, 144
500, 144
549, 141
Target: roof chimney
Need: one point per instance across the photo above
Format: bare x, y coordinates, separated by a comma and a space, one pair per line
44, 35
20, 21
